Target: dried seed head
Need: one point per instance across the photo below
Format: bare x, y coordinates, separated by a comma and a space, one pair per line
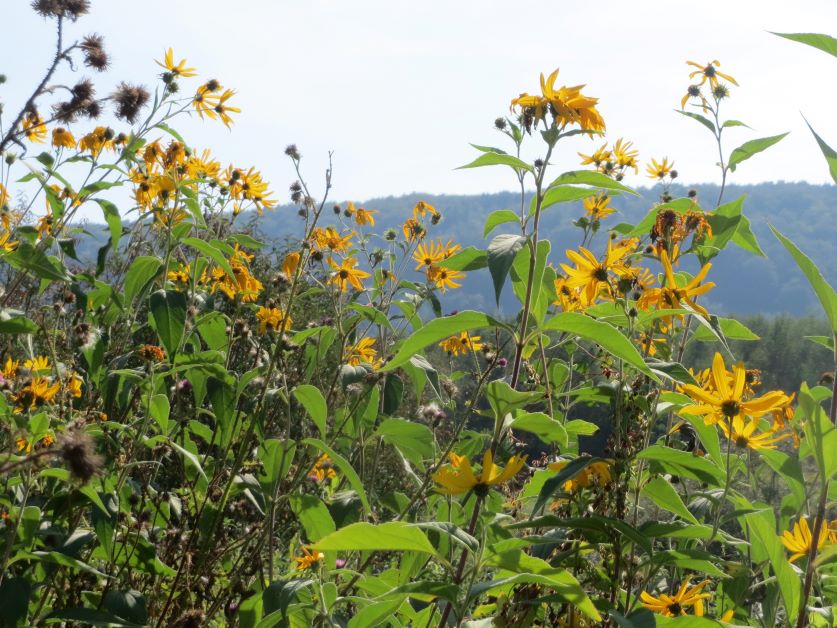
129, 99
293, 152
78, 453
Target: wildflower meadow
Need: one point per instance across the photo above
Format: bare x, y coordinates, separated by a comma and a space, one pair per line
199, 427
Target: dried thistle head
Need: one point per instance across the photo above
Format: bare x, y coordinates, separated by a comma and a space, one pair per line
129, 101
80, 458
71, 9
95, 55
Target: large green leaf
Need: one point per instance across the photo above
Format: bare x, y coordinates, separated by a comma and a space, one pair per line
762, 528
829, 153
604, 334
391, 536
34, 261
826, 43
499, 217
414, 440
143, 269
696, 116
168, 311
594, 179
313, 515
825, 293
470, 258
498, 159
748, 149
661, 492
683, 463
314, 403
547, 429
501, 253
439, 329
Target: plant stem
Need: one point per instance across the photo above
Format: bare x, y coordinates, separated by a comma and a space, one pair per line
460, 568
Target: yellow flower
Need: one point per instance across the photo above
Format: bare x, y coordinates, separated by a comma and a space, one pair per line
742, 434
594, 275
659, 170
676, 605
151, 353
570, 299
74, 385
205, 98
362, 216
427, 254
290, 264
34, 128
62, 138
709, 72
39, 364
10, 368
329, 238
270, 318
23, 445
672, 296
36, 392
723, 398
567, 105
799, 539
413, 230
346, 274
97, 140
626, 156
47, 440
461, 344
308, 560
178, 69
422, 208
218, 107
44, 225
322, 469
458, 477
180, 276
598, 207
363, 352
594, 474
444, 278
600, 156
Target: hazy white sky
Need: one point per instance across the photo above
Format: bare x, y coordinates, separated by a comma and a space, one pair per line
398, 89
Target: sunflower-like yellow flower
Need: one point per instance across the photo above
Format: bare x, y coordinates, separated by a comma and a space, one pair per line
10, 368
673, 296
323, 469
62, 138
659, 170
38, 391
345, 274
330, 238
429, 253
308, 560
742, 433
593, 274
625, 154
272, 318
74, 385
677, 604
34, 128
422, 208
598, 207
99, 139
567, 105
221, 109
461, 344
709, 72
291, 263
723, 399
413, 230
594, 474
444, 278
363, 351
799, 539
458, 477
177, 69
570, 299
599, 157
39, 364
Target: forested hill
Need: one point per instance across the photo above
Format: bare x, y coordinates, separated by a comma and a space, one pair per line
745, 283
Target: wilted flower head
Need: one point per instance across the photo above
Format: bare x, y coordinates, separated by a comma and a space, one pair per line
129, 99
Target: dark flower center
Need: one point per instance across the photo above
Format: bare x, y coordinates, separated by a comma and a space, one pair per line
731, 408
675, 608
600, 273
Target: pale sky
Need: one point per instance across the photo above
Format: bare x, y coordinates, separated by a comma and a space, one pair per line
398, 89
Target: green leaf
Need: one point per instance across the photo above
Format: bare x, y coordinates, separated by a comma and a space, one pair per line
393, 393
823, 290
547, 429
159, 410
501, 253
452, 531
17, 325
725, 221
504, 399
683, 463
470, 258
560, 194
439, 329
128, 605
139, 276
499, 217
113, 220
277, 597
746, 239
748, 149
731, 123
763, 531
341, 463
696, 116
168, 311
314, 403
88, 617
14, 600
414, 440
826, 43
823, 341
555, 484
212, 252
828, 152
498, 159
605, 335
313, 516
662, 493
392, 536
594, 179
731, 328
190, 458
34, 261
820, 433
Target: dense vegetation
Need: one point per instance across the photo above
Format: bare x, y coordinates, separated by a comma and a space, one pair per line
201, 429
